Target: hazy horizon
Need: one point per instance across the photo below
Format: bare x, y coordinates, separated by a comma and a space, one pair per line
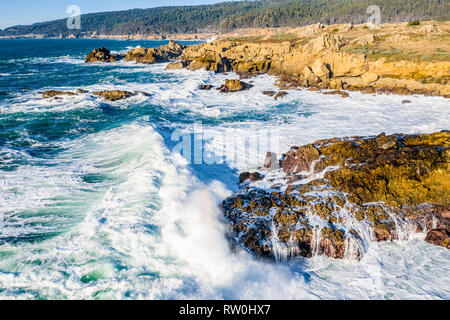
13, 14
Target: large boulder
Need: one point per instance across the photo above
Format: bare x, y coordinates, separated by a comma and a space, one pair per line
234, 86
102, 55
339, 195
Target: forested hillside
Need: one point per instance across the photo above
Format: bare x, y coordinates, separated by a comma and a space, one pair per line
231, 15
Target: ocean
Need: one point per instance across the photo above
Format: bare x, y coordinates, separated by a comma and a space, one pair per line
98, 202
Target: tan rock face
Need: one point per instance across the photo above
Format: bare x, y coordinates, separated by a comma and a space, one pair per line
102, 55
54, 93
234, 86
155, 55
113, 95
175, 66
371, 187
369, 77
321, 59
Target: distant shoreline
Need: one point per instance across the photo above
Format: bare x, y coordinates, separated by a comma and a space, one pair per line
181, 37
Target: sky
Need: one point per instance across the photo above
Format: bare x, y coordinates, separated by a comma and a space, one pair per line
23, 12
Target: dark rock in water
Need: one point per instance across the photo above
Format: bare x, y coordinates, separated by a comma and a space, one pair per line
234, 86
156, 55
54, 93
439, 237
406, 101
205, 87
81, 91
357, 190
103, 55
269, 93
255, 176
280, 94
113, 95
343, 94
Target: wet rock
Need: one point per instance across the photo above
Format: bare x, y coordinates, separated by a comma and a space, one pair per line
255, 176
280, 95
234, 86
54, 93
299, 160
343, 94
269, 93
102, 55
205, 87
113, 95
360, 188
438, 237
406, 101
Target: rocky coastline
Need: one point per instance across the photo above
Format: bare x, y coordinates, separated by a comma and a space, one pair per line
334, 197
339, 58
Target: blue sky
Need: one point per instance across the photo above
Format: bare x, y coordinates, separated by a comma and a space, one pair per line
15, 12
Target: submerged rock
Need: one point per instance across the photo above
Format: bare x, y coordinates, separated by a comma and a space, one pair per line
269, 93
333, 197
205, 87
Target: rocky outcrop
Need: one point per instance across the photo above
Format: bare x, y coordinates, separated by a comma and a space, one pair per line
333, 197
103, 55
322, 60
108, 95
156, 55
234, 86
55, 93
113, 95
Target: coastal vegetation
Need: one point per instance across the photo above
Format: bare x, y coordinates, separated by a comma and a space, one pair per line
233, 15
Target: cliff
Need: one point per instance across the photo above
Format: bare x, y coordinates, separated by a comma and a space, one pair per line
395, 58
